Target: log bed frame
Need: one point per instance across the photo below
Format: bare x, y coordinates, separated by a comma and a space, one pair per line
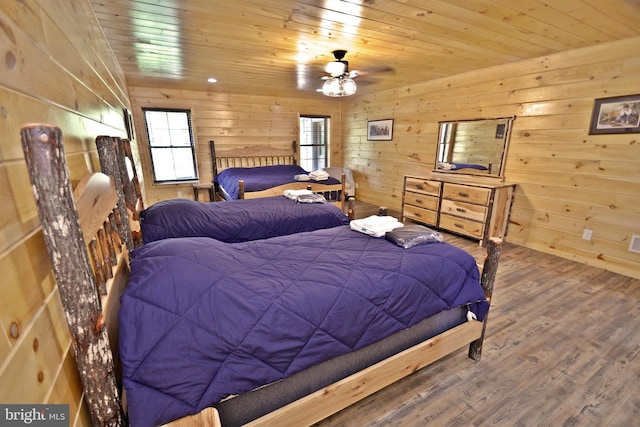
71, 221
265, 156
116, 160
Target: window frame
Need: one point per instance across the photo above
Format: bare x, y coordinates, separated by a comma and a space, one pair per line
192, 145
327, 138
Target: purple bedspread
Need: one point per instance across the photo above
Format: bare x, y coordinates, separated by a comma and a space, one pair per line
202, 319
469, 166
237, 221
261, 178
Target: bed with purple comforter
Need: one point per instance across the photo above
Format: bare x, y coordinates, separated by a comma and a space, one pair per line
261, 178
238, 220
203, 319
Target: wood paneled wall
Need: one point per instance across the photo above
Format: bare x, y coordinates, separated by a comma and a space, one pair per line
567, 180
57, 69
233, 122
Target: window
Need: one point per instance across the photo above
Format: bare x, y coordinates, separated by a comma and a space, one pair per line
314, 142
171, 145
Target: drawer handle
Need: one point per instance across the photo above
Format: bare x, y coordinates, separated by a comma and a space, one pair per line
418, 214
458, 225
420, 201
461, 194
461, 210
419, 187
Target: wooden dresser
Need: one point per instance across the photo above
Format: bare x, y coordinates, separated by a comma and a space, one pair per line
475, 208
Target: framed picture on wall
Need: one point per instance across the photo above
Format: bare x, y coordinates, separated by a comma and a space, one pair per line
380, 130
620, 114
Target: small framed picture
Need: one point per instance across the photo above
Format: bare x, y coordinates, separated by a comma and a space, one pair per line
380, 130
619, 114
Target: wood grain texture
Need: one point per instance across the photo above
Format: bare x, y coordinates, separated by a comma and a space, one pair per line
561, 348
45, 156
281, 47
56, 68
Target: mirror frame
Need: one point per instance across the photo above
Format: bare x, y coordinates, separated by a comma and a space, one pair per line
469, 171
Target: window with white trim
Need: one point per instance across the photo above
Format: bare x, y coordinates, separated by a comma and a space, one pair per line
314, 142
171, 145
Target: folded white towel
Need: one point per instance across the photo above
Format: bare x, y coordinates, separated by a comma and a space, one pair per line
376, 227
301, 177
319, 175
292, 194
374, 221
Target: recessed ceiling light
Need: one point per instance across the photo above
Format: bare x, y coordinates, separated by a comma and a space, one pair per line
211, 80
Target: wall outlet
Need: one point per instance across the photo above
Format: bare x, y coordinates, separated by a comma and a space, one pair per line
634, 246
179, 194
586, 234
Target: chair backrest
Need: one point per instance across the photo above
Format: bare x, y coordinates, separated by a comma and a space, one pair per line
350, 184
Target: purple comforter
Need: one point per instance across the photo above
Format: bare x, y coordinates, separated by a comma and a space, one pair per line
237, 221
202, 319
261, 178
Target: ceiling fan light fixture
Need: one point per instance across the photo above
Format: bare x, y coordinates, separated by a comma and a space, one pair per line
339, 86
336, 68
341, 82
349, 86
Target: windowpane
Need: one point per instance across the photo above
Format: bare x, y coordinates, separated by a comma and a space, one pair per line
180, 137
172, 164
171, 145
314, 140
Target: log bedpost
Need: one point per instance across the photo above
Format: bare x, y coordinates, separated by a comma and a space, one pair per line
294, 148
214, 167
240, 189
123, 153
351, 208
108, 148
44, 153
487, 279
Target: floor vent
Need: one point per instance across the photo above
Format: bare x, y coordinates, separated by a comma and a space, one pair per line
635, 244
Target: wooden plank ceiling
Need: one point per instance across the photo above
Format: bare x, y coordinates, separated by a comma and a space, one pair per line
278, 47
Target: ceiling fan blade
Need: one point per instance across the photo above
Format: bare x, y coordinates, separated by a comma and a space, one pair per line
378, 69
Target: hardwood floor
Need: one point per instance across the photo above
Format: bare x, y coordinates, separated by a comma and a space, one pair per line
562, 349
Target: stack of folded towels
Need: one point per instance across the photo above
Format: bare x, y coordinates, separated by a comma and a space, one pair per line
375, 225
319, 175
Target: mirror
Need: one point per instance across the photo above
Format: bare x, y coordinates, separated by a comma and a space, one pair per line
474, 147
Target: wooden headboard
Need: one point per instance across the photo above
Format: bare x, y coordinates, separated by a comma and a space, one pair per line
116, 160
250, 156
85, 236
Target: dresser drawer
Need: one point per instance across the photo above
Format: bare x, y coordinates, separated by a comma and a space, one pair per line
462, 226
421, 200
477, 195
423, 186
464, 210
421, 215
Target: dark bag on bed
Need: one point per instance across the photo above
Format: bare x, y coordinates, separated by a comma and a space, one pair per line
311, 198
411, 235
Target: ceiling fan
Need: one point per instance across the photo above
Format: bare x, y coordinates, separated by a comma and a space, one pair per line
340, 81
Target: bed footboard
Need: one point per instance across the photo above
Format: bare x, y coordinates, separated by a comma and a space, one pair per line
334, 193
